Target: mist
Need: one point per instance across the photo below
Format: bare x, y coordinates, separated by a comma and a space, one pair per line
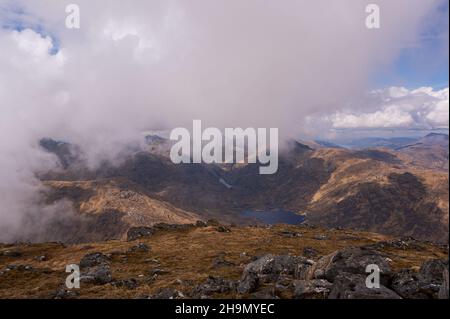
138, 66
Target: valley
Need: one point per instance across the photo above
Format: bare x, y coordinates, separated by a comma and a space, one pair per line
379, 190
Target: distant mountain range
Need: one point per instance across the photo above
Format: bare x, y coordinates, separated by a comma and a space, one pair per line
401, 192
392, 143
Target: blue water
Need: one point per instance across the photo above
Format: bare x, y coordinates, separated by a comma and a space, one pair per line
274, 217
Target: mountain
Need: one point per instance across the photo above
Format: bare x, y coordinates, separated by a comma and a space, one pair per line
378, 190
374, 142
431, 151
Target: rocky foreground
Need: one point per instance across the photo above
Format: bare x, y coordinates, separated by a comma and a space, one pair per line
209, 260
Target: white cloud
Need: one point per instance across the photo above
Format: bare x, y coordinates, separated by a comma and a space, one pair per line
422, 108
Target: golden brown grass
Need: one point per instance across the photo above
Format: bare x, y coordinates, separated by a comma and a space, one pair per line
186, 255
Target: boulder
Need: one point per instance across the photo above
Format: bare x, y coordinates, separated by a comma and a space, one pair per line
140, 247
443, 292
432, 278
407, 284
98, 275
350, 260
249, 283
312, 289
139, 232
94, 259
353, 286
270, 268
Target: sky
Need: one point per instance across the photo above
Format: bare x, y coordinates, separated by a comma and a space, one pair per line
309, 68
424, 63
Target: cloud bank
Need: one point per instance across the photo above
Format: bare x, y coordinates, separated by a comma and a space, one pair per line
397, 107
140, 65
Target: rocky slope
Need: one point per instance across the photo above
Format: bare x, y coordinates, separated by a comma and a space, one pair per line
217, 261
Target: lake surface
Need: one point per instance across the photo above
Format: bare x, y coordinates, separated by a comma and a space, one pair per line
274, 217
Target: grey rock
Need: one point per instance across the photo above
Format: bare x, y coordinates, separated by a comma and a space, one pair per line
407, 284
353, 286
350, 260
290, 234
11, 253
432, 276
139, 232
312, 289
249, 283
98, 275
93, 259
443, 291
270, 268
140, 247
223, 229
64, 293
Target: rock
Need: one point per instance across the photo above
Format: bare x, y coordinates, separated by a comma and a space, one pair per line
407, 284
221, 262
432, 270
428, 283
139, 232
126, 283
269, 268
19, 267
93, 259
168, 293
353, 286
223, 229
405, 243
213, 285
141, 247
249, 283
350, 260
200, 223
443, 291
310, 252
158, 271
98, 275
212, 222
431, 276
275, 264
289, 234
64, 293
41, 258
312, 289
320, 237
11, 253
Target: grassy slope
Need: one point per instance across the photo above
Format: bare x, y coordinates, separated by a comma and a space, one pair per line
186, 255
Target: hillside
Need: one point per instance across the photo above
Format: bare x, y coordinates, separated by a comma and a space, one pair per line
214, 261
